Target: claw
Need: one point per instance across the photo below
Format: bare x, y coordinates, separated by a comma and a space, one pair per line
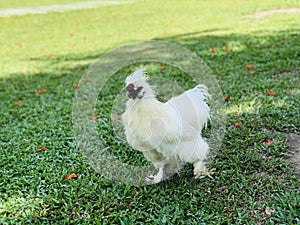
207, 173
149, 179
153, 179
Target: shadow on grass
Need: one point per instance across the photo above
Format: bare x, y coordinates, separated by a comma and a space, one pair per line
249, 175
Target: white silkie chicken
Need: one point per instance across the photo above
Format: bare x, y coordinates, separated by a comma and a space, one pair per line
168, 134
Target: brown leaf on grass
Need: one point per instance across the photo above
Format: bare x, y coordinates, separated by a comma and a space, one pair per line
251, 72
213, 51
226, 99
228, 48
77, 85
42, 148
237, 124
249, 66
162, 67
41, 91
52, 55
267, 142
271, 94
95, 117
71, 176
18, 103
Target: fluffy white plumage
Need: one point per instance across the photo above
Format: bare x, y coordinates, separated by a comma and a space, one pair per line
168, 134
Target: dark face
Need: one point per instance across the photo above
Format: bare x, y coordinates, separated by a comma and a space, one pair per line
134, 92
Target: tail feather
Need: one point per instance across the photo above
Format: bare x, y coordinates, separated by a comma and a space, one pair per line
204, 90
192, 108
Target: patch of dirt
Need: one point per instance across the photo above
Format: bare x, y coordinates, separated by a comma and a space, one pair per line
61, 7
294, 152
274, 11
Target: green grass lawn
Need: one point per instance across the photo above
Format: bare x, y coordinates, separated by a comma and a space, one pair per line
54, 50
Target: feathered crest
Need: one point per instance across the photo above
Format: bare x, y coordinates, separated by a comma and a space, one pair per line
136, 76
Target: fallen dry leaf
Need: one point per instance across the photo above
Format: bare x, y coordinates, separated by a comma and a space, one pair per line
267, 142
95, 117
237, 124
77, 85
18, 103
42, 148
52, 55
42, 91
71, 176
252, 72
271, 93
227, 99
249, 66
163, 68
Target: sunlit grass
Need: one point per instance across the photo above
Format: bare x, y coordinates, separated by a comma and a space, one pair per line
28, 42
252, 106
21, 207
